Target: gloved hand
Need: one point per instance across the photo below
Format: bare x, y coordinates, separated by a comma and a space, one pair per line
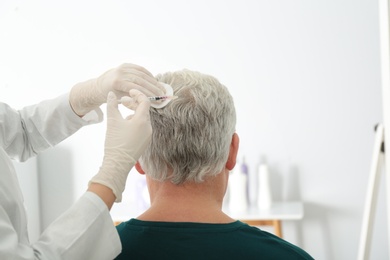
88, 95
126, 140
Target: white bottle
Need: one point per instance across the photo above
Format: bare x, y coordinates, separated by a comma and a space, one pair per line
264, 196
238, 190
244, 169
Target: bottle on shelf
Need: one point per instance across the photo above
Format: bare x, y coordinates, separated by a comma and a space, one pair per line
238, 188
264, 194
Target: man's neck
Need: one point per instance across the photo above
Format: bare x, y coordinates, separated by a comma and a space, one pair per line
190, 202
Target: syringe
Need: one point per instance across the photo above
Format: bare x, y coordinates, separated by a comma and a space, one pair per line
161, 98
155, 98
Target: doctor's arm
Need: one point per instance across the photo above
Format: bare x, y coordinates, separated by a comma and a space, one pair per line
35, 128
86, 230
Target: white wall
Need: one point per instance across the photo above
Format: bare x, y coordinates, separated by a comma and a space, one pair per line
305, 76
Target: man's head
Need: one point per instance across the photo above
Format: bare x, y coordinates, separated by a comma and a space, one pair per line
192, 134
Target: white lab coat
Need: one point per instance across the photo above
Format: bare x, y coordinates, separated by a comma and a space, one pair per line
86, 230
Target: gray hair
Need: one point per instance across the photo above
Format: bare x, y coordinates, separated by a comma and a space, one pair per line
192, 134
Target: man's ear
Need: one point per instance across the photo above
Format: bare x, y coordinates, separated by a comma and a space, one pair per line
231, 162
139, 168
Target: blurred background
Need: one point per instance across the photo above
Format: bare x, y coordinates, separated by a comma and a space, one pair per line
305, 77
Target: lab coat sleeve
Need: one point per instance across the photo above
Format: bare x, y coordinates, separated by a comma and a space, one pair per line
85, 231
34, 128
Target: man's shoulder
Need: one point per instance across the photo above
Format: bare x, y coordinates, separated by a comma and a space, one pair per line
221, 241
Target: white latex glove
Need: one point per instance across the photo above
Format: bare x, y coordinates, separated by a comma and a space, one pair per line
126, 140
89, 95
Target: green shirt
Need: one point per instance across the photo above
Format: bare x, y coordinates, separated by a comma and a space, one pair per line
183, 240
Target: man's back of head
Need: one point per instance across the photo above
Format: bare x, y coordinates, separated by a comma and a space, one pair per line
192, 134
